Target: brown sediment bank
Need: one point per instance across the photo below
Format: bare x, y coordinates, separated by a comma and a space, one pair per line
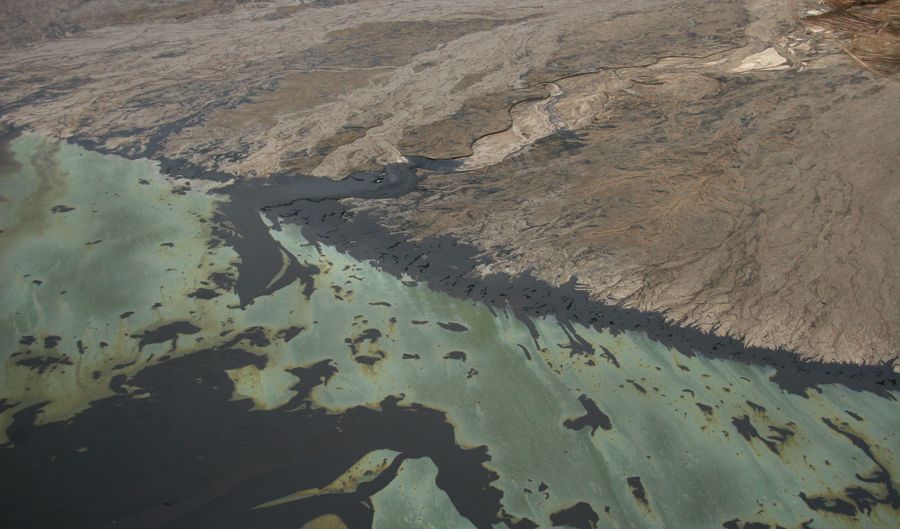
710, 161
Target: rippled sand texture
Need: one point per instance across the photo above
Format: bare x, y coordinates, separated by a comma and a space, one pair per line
357, 397
715, 161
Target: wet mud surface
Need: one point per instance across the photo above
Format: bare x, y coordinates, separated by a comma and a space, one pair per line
335, 371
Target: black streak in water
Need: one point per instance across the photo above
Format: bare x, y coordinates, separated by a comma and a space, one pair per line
164, 333
593, 417
453, 326
638, 491
579, 516
857, 499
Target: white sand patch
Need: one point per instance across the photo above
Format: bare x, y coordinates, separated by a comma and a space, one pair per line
767, 60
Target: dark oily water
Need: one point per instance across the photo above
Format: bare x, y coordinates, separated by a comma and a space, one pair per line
177, 353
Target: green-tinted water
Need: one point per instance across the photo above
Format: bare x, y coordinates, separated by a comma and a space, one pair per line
710, 440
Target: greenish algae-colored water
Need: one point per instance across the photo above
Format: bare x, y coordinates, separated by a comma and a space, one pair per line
679, 442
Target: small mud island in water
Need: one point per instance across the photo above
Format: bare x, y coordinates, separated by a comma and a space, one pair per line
434, 264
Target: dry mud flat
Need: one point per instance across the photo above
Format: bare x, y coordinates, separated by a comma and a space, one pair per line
713, 161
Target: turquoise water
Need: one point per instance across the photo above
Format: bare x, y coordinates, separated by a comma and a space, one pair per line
133, 252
